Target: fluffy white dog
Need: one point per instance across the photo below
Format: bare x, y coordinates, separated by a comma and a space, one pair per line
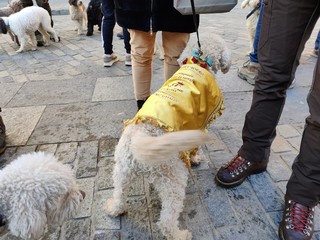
78, 15
25, 23
252, 20
162, 139
36, 190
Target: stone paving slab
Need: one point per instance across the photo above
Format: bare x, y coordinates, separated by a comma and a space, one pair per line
61, 100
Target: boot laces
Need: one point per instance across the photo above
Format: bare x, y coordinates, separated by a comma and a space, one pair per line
300, 218
237, 164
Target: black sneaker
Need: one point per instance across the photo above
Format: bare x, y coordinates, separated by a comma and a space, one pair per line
2, 135
297, 222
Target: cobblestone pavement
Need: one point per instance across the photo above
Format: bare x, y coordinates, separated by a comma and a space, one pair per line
60, 99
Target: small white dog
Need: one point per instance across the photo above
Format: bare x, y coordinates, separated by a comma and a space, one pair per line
162, 139
252, 20
35, 191
25, 23
78, 15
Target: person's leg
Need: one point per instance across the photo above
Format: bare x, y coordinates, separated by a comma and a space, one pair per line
303, 188
173, 45
127, 46
142, 48
316, 44
45, 4
249, 70
280, 46
108, 23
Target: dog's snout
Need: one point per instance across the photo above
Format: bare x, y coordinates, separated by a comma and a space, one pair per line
83, 194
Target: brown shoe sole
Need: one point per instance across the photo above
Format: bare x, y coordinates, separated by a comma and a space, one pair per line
237, 183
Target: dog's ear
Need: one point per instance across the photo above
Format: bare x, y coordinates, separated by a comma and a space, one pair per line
3, 27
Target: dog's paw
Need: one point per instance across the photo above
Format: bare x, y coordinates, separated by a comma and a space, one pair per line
19, 50
113, 208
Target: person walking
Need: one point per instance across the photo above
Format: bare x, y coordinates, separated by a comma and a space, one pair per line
108, 24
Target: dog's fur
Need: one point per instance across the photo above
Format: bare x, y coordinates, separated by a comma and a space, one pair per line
94, 16
25, 23
146, 149
251, 22
78, 15
37, 191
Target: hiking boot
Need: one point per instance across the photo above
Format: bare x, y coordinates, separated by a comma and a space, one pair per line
2, 135
127, 61
249, 71
237, 170
297, 222
109, 59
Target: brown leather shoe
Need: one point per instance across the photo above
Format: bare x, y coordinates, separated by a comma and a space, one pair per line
2, 136
237, 170
297, 222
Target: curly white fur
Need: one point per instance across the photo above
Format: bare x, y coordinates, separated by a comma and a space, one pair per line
251, 22
26, 22
78, 15
147, 150
36, 190
211, 45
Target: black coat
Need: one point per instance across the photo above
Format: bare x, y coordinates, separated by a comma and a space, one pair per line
153, 15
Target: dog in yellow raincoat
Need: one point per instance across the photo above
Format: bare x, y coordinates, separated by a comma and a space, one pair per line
161, 141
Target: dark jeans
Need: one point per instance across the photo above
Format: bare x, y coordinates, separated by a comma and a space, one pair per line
254, 55
108, 23
286, 26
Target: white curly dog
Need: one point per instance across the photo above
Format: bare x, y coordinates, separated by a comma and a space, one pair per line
37, 191
152, 148
24, 24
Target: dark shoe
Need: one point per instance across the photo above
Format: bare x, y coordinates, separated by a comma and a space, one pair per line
297, 222
120, 35
2, 135
237, 170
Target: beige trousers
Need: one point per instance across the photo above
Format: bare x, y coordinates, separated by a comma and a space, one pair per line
142, 50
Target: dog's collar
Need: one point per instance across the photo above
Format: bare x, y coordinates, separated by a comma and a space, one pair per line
205, 62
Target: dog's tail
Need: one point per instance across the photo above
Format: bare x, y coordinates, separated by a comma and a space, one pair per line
156, 150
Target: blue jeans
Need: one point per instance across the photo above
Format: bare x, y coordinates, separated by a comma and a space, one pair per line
254, 55
108, 23
316, 45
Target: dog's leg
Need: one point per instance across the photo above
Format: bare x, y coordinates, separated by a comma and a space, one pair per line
33, 42
23, 44
46, 36
171, 188
122, 175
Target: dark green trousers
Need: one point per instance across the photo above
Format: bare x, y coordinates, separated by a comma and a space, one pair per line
286, 26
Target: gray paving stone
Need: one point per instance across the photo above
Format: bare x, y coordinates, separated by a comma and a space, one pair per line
280, 145
66, 152
266, 192
87, 159
277, 169
76, 229
101, 220
107, 147
214, 199
20, 123
107, 235
50, 148
287, 131
86, 185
